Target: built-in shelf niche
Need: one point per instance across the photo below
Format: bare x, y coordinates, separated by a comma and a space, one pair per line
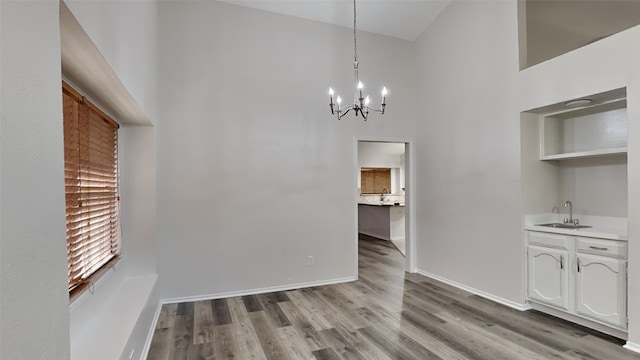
594, 176
597, 130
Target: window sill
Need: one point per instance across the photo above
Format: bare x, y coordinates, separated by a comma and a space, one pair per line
94, 281
101, 325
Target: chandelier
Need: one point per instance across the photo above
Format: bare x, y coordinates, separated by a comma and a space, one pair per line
360, 103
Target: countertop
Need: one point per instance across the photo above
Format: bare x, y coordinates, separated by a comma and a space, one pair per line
381, 203
602, 227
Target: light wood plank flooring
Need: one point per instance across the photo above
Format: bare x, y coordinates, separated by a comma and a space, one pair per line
385, 315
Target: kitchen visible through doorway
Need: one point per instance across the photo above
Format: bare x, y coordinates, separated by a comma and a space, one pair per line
382, 192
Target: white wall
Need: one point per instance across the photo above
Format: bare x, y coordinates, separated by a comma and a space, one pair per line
383, 155
539, 179
380, 155
468, 149
254, 174
34, 304
594, 186
137, 166
125, 34
571, 76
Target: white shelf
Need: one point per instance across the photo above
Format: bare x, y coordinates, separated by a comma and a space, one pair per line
597, 130
584, 154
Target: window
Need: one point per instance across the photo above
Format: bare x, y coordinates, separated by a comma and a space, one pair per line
375, 181
91, 188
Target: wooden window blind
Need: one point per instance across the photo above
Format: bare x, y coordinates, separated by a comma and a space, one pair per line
375, 181
91, 187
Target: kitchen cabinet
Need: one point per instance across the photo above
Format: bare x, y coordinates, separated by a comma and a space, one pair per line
580, 276
384, 221
601, 288
548, 276
397, 223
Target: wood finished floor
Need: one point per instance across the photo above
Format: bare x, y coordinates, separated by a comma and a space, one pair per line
386, 314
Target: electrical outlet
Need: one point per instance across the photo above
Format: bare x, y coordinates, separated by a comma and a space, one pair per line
131, 355
310, 260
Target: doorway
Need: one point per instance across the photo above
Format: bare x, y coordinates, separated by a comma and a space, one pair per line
384, 194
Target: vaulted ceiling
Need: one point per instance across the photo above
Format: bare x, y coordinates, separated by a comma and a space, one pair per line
404, 19
553, 27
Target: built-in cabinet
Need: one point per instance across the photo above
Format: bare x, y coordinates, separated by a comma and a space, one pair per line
582, 276
601, 288
548, 258
548, 280
575, 151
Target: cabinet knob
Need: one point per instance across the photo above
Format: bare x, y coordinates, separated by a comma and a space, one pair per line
598, 248
561, 262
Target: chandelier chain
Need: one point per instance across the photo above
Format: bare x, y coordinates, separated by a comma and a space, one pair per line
355, 44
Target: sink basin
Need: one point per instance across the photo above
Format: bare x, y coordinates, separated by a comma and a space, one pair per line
564, 226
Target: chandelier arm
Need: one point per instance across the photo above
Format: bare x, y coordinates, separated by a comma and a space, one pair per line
341, 114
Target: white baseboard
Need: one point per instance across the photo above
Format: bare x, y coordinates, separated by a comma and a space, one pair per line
257, 290
147, 344
373, 235
601, 327
632, 347
503, 301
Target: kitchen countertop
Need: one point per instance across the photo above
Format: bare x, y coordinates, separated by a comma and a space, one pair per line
381, 203
602, 227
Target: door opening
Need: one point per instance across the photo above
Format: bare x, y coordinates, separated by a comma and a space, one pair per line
384, 194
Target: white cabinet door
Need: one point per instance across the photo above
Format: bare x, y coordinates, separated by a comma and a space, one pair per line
548, 276
601, 288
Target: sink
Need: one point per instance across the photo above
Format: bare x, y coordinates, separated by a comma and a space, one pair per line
564, 226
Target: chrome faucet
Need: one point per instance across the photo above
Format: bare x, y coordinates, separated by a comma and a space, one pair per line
570, 220
384, 191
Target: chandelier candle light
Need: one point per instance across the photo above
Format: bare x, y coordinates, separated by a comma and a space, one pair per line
360, 103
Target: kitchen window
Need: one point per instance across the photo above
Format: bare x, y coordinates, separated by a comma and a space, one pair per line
375, 181
91, 189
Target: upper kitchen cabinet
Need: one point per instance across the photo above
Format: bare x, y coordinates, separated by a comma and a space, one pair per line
590, 126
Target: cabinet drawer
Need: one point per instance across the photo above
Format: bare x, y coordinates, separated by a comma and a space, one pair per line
602, 247
549, 240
